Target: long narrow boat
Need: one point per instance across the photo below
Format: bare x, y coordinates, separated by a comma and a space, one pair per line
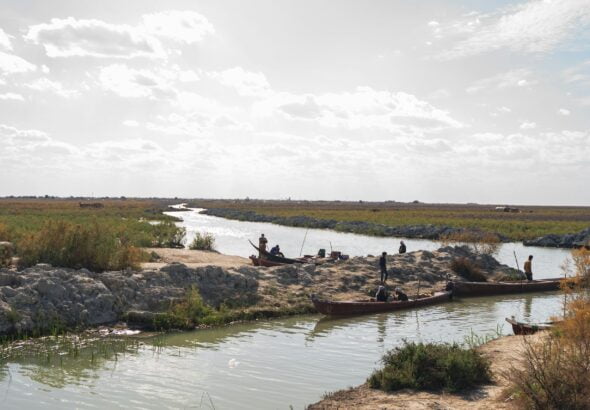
359, 307
521, 328
265, 262
275, 258
499, 288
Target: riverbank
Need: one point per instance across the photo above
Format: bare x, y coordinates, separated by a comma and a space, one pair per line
502, 353
411, 220
41, 298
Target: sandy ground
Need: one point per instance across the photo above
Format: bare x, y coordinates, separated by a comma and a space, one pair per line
193, 258
503, 353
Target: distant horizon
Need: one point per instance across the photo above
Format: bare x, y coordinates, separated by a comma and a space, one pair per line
181, 198
445, 102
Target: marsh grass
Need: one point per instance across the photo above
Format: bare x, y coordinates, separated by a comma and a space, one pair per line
428, 366
203, 242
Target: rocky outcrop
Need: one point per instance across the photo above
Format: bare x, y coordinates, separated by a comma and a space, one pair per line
570, 240
358, 227
42, 297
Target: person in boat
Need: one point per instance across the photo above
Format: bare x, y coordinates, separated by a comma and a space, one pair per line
383, 266
528, 268
381, 295
262, 241
400, 295
276, 250
402, 247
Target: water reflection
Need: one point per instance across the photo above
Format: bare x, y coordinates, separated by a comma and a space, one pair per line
263, 365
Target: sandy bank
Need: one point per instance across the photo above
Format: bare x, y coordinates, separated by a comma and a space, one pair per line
193, 258
502, 353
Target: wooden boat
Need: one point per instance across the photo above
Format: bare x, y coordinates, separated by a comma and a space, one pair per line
521, 328
342, 308
264, 262
499, 288
275, 258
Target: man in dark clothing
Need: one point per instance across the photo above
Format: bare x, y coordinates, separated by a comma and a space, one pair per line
402, 247
528, 268
381, 295
399, 295
383, 266
276, 250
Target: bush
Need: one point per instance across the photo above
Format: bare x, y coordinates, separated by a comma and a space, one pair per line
431, 367
203, 242
467, 269
93, 246
167, 235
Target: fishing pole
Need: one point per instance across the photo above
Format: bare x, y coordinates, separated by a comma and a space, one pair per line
303, 243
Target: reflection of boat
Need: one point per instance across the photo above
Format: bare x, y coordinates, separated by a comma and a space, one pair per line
361, 307
498, 288
275, 258
521, 328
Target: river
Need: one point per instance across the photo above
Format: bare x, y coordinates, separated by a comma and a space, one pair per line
264, 365
231, 237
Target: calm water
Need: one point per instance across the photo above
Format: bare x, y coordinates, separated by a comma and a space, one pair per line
231, 237
274, 364
268, 365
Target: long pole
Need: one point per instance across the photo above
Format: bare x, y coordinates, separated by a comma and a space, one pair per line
303, 243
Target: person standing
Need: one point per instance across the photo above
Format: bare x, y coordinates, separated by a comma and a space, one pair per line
528, 268
402, 247
262, 241
383, 266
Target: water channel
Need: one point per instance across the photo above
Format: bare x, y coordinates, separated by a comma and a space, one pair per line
263, 365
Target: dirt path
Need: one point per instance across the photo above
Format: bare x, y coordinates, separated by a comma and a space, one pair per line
193, 258
502, 353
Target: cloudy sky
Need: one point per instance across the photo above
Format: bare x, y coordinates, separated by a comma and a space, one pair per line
463, 101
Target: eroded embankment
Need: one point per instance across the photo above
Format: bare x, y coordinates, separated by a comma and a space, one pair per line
42, 297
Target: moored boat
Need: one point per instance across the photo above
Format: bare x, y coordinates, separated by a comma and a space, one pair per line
276, 258
498, 288
521, 328
359, 307
265, 262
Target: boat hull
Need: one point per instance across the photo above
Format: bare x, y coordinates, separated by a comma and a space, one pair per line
499, 288
348, 308
520, 328
265, 262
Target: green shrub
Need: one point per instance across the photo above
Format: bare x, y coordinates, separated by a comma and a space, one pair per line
93, 246
431, 367
203, 242
167, 235
467, 269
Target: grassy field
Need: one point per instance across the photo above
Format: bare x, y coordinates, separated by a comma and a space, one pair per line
63, 233
529, 223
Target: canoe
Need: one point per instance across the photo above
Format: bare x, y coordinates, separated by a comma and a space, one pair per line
499, 288
359, 307
521, 328
275, 258
264, 262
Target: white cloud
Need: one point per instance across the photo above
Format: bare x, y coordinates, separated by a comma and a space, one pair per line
10, 64
182, 26
563, 111
11, 96
528, 125
536, 26
134, 83
362, 108
131, 123
45, 84
5, 41
246, 83
514, 78
504, 109
71, 37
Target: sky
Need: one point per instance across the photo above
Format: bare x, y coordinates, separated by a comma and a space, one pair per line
436, 101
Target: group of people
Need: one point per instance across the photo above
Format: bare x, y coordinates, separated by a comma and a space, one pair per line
275, 250
382, 294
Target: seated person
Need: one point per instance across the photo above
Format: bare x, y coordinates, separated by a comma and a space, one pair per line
381, 295
276, 250
399, 295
